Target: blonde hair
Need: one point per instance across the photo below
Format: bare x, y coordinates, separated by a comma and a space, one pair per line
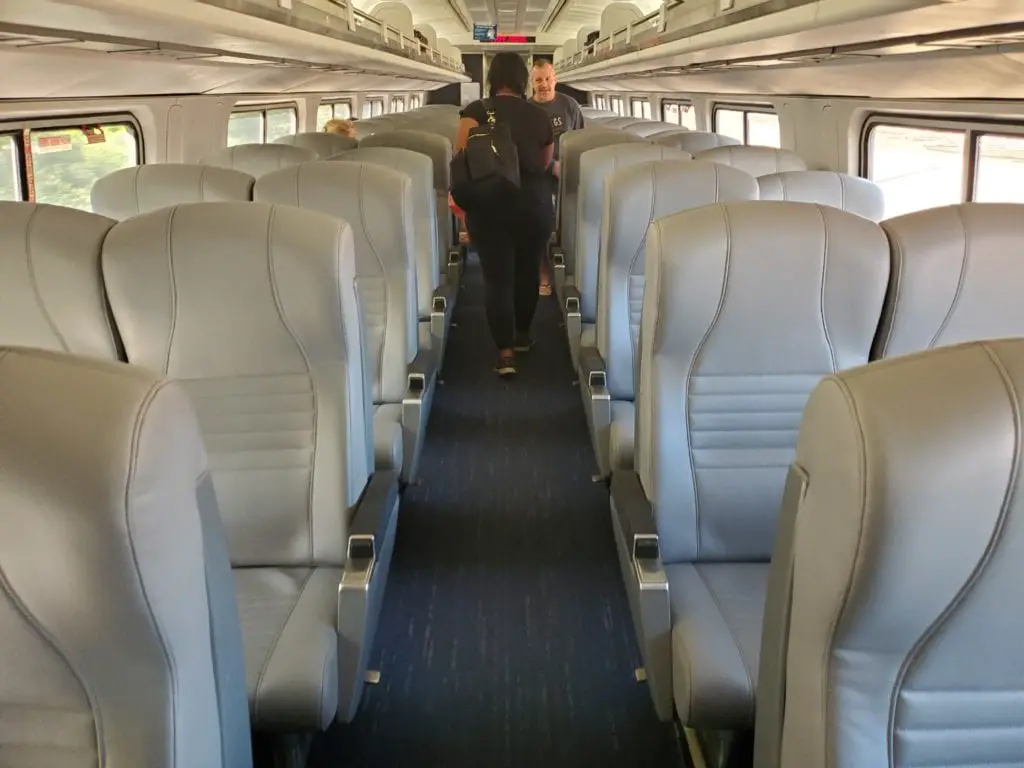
344, 127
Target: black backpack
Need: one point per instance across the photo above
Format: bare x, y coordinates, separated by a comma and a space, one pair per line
485, 175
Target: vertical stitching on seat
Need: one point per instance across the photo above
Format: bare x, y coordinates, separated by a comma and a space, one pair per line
942, 620
33, 281
172, 286
379, 374
138, 192
821, 290
694, 361
960, 280
279, 306
129, 510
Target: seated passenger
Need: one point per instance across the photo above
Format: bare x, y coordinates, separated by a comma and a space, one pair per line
512, 237
343, 127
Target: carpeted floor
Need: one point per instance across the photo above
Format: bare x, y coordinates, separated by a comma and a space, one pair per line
505, 638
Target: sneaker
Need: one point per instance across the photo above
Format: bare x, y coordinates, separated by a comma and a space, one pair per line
506, 367
522, 343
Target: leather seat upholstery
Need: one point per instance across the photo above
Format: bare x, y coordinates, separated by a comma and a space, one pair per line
757, 161
254, 312
258, 159
839, 190
956, 277
905, 554
143, 188
694, 141
325, 145
51, 293
747, 306
119, 635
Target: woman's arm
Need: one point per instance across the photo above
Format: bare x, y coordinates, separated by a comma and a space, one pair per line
466, 124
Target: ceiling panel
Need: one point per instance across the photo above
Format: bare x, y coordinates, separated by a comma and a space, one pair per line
437, 13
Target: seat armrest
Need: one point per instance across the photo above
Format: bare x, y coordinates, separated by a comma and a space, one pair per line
592, 370
372, 518
421, 374
557, 256
636, 516
572, 300
442, 300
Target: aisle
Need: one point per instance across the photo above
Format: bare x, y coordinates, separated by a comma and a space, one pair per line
505, 638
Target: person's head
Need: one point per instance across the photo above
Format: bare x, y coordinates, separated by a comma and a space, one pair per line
344, 127
507, 74
543, 80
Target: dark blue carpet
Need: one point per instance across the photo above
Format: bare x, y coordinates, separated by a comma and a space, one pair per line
505, 638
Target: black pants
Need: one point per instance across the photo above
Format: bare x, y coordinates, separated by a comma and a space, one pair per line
510, 255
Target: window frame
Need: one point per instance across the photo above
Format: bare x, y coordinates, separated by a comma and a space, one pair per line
745, 109
415, 97
16, 129
263, 109
681, 103
973, 129
334, 107
398, 99
642, 101
622, 105
368, 102
600, 102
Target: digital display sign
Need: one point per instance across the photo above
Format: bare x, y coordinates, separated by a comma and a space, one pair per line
485, 33
515, 39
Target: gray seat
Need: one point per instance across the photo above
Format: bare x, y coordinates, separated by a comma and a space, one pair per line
596, 166
258, 159
620, 122
438, 148
377, 203
434, 301
366, 128
905, 559
757, 161
635, 197
571, 148
648, 128
51, 294
839, 190
255, 313
323, 144
957, 276
747, 306
119, 635
144, 188
694, 141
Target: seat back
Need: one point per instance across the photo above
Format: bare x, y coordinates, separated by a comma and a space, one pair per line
596, 167
258, 159
757, 161
619, 122
957, 276
438, 148
839, 190
51, 294
907, 553
424, 237
571, 148
636, 196
144, 188
747, 306
366, 128
118, 648
254, 312
323, 144
695, 142
377, 204
647, 128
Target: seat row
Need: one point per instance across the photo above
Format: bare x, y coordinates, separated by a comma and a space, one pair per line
747, 306
259, 314
385, 194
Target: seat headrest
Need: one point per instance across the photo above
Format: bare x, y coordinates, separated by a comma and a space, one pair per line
435, 146
757, 161
323, 144
143, 188
839, 190
257, 159
957, 276
51, 293
102, 554
693, 141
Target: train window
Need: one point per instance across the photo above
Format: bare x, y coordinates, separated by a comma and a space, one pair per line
261, 126
66, 162
397, 104
640, 109
616, 106
373, 107
600, 102
414, 102
916, 167
10, 176
759, 127
340, 110
1000, 169
679, 113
